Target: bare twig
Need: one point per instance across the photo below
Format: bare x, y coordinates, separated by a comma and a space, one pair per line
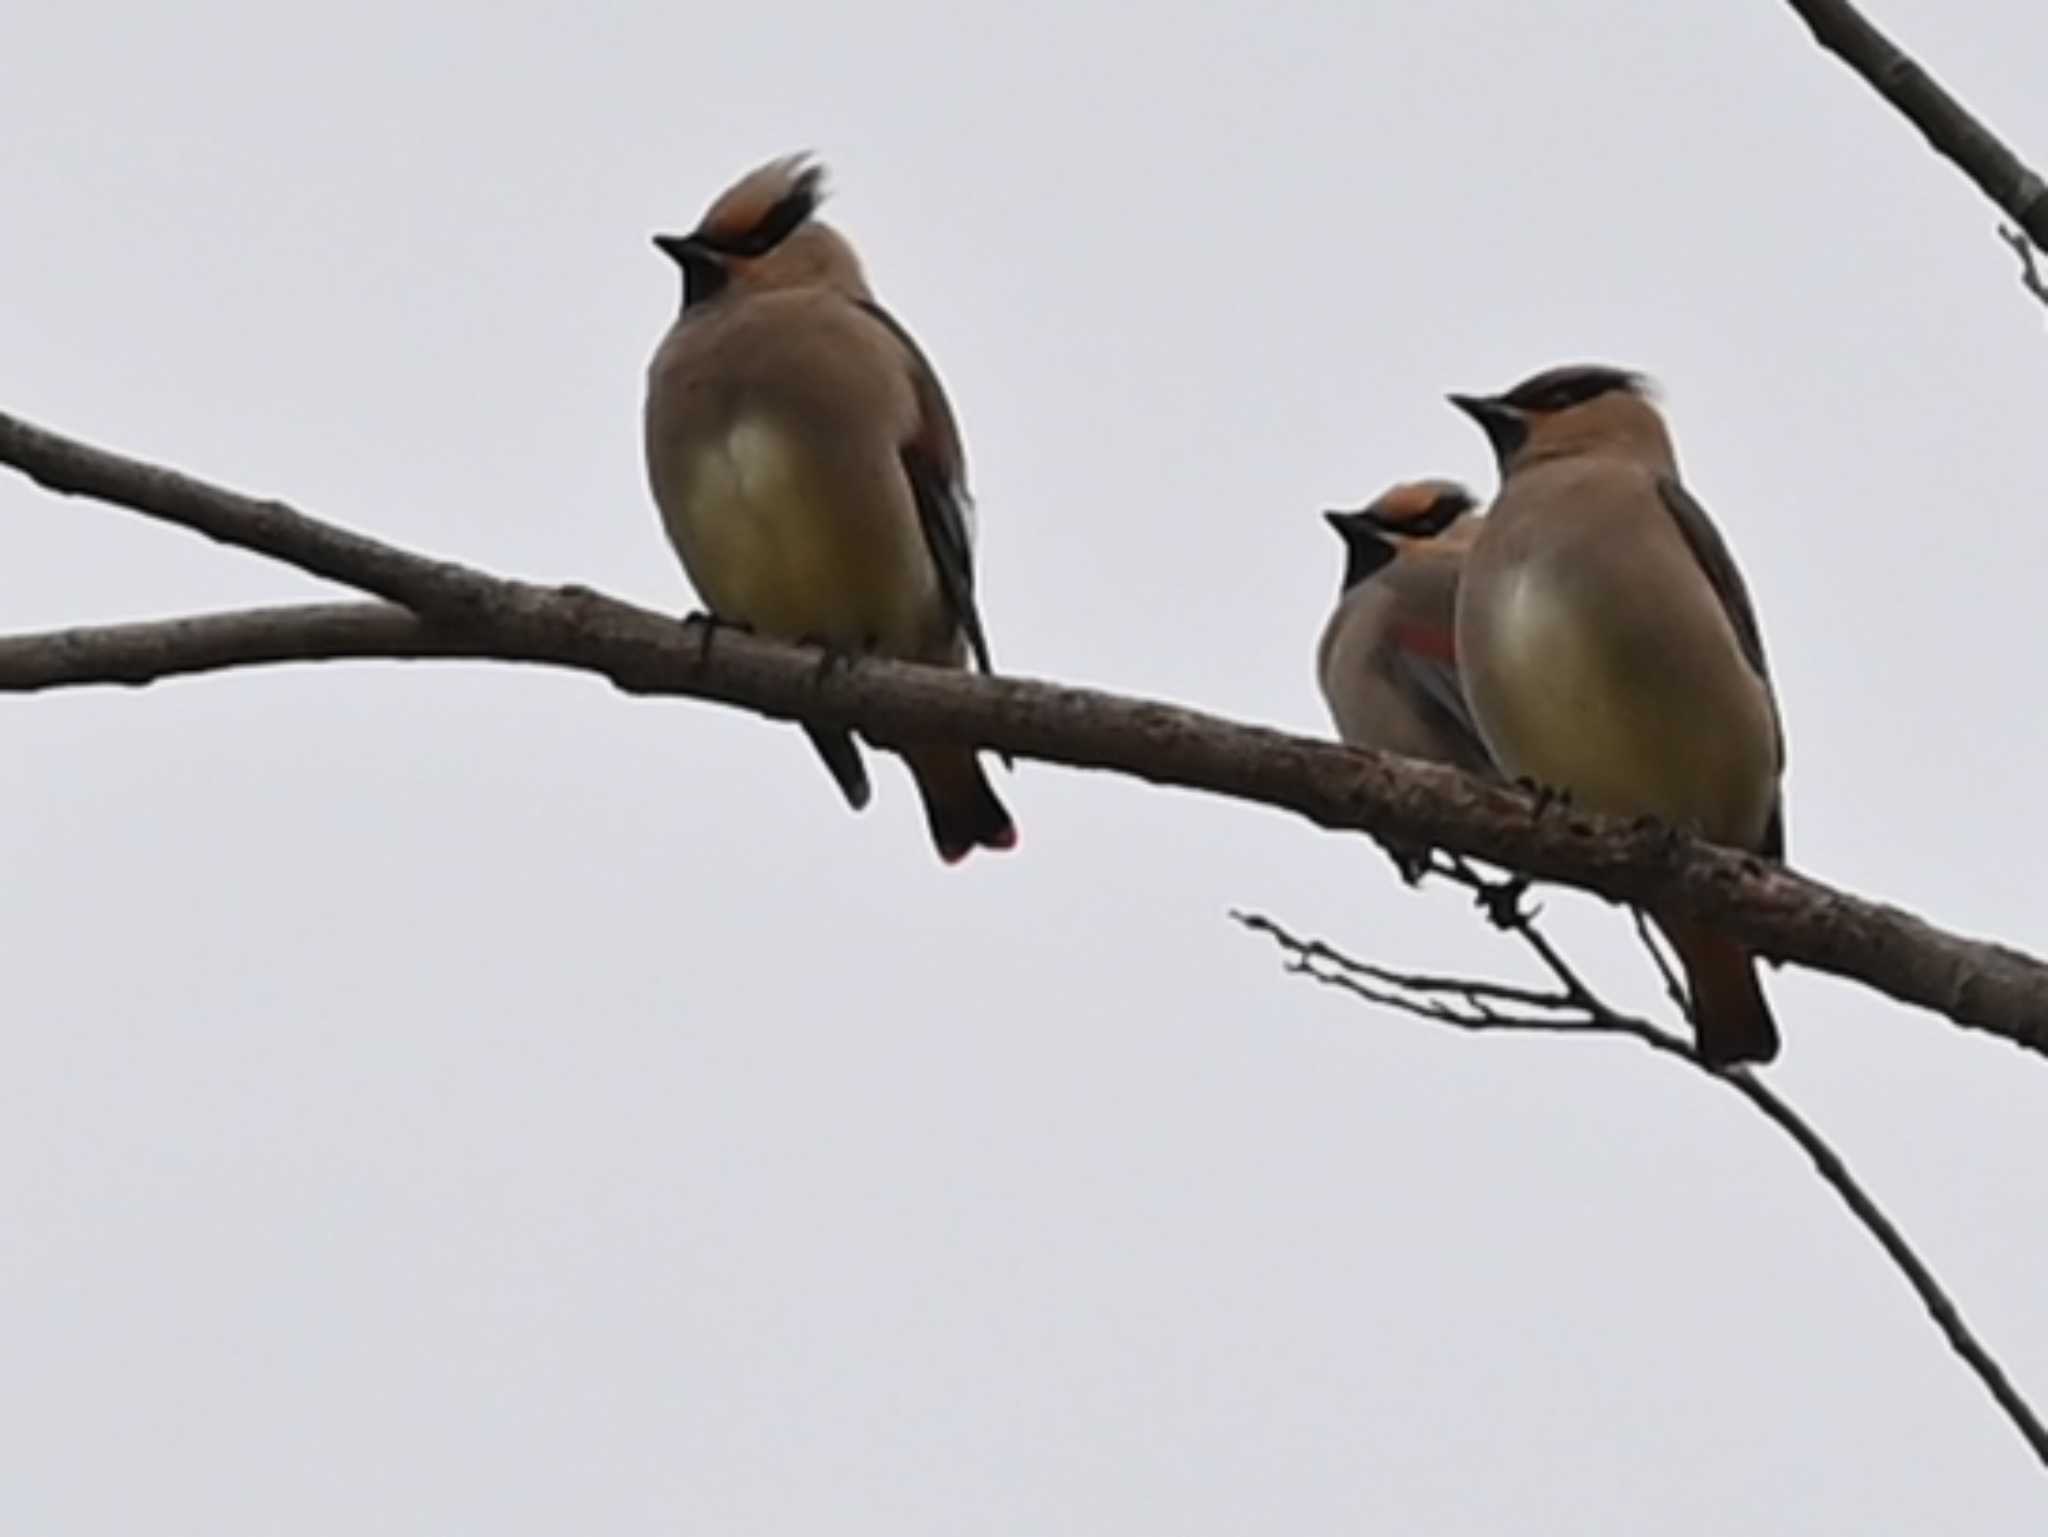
2030, 272
1951, 128
1673, 988
469, 613
1480, 1005
1316, 951
1465, 1002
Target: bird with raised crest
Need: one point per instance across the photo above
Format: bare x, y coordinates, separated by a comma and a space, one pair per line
1609, 650
809, 471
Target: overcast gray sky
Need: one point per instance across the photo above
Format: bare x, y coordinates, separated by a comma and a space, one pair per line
445, 1099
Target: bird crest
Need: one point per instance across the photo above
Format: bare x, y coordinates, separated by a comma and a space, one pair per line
763, 208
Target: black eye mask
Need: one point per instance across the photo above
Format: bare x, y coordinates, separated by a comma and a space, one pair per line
1559, 389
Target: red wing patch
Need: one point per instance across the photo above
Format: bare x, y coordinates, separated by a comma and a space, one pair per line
1435, 641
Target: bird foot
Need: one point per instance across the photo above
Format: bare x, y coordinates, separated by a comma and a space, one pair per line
1548, 798
707, 625
1667, 837
831, 658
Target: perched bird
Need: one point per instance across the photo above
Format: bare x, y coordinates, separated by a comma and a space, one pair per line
1609, 650
1386, 661
809, 471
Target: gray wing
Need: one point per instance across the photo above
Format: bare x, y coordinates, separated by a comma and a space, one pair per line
1432, 682
1709, 549
937, 467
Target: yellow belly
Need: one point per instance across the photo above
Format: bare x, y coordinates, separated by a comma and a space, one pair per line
1572, 705
771, 542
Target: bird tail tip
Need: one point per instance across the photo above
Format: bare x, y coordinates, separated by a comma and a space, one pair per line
960, 805
1729, 1009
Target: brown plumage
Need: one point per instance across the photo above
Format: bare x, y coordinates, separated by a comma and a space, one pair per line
1386, 661
809, 470
1609, 649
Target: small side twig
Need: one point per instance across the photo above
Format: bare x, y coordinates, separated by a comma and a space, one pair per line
2030, 271
1463, 1002
1673, 988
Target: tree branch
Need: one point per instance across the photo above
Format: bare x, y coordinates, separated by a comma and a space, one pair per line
1951, 128
267, 527
1477, 1005
168, 648
471, 614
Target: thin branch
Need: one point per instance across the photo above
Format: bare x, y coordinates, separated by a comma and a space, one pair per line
1940, 1306
1673, 988
472, 614
1315, 951
1951, 128
1594, 1016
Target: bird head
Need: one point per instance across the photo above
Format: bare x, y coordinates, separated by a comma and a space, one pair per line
762, 233
1577, 408
1411, 513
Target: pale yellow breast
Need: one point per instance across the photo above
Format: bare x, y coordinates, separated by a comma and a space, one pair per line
775, 539
1550, 702
1573, 689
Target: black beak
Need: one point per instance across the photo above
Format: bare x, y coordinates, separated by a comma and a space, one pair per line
1504, 426
677, 248
704, 272
1366, 546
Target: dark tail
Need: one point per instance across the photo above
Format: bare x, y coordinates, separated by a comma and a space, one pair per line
1729, 1012
842, 757
959, 802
